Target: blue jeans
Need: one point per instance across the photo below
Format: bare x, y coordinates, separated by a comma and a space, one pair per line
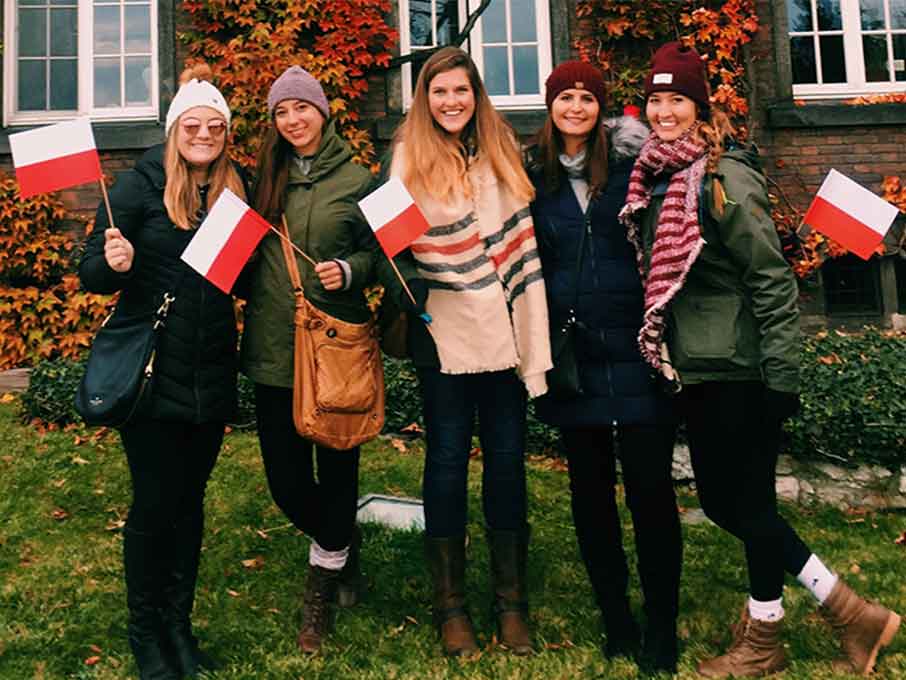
449, 406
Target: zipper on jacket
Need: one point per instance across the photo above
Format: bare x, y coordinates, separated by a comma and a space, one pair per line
197, 370
591, 251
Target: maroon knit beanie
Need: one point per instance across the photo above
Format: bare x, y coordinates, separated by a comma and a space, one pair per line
677, 68
579, 75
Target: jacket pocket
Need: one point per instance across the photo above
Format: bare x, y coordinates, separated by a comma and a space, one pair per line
704, 329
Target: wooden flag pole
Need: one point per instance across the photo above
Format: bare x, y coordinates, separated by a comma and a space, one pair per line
402, 280
292, 245
106, 201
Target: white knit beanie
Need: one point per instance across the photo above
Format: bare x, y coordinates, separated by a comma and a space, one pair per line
196, 93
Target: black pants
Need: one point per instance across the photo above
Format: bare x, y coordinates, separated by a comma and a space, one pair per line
170, 464
324, 507
646, 455
734, 450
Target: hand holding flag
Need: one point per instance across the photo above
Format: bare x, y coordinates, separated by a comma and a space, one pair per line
850, 214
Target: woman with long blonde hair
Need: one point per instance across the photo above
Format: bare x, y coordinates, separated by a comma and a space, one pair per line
486, 348
721, 324
172, 446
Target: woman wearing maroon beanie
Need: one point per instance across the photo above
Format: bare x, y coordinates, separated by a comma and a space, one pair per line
721, 321
580, 169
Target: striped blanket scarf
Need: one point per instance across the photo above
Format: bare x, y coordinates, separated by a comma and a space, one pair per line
487, 298
677, 237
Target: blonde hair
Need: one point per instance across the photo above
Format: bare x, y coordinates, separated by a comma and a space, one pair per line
182, 197
436, 160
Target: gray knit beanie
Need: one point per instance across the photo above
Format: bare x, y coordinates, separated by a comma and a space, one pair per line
297, 83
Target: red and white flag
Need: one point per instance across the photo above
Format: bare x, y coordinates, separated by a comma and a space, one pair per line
225, 240
55, 157
853, 216
394, 217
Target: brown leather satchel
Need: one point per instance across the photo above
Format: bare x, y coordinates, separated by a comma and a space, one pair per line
338, 376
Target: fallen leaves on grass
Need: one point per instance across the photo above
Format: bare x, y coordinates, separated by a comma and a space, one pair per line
901, 540
232, 593
78, 460
7, 398
565, 644
413, 428
830, 359
399, 445
254, 564
59, 514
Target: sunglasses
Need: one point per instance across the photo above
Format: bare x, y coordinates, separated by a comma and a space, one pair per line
192, 126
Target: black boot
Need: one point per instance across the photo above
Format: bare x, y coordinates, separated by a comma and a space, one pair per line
509, 557
143, 591
622, 633
659, 649
318, 608
179, 595
349, 588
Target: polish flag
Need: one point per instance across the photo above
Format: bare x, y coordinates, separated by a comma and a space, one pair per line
853, 216
55, 157
225, 240
393, 216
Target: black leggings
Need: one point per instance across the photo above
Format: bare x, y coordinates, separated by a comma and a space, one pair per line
646, 455
734, 450
170, 464
324, 508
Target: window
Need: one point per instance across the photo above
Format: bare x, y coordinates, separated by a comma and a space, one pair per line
839, 48
851, 286
510, 44
80, 57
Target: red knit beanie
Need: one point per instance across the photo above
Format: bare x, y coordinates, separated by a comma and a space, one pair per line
677, 68
579, 75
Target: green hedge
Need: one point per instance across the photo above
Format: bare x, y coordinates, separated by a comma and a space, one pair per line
853, 399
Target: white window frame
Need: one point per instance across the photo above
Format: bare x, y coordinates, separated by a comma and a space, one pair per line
474, 45
851, 30
85, 67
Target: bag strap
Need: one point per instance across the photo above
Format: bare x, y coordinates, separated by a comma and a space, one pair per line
291, 265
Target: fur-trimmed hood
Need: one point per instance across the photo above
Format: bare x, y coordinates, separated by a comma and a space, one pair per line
627, 135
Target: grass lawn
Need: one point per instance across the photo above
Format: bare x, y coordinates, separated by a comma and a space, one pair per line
63, 499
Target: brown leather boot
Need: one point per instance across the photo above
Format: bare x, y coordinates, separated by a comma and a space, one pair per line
509, 554
863, 627
318, 607
756, 651
447, 561
350, 583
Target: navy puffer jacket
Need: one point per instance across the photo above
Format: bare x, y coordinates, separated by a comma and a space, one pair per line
617, 383
196, 366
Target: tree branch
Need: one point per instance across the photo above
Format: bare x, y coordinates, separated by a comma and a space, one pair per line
460, 38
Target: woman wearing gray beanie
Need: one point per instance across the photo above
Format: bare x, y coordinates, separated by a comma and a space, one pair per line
306, 174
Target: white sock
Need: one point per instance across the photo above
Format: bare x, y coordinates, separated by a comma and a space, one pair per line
327, 559
817, 578
766, 611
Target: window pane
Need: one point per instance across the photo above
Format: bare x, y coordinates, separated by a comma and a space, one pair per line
802, 54
420, 34
26, 3
63, 32
138, 80
106, 30
496, 71
447, 21
64, 85
799, 15
138, 28
833, 66
899, 57
493, 22
525, 69
522, 17
874, 47
872, 14
32, 85
851, 285
829, 18
106, 83
898, 13
32, 33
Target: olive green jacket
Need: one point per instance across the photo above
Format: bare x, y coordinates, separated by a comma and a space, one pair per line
325, 221
736, 316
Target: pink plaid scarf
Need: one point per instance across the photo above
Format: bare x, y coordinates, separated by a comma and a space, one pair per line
677, 238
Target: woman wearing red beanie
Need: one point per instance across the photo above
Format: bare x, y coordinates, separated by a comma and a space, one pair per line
721, 320
580, 169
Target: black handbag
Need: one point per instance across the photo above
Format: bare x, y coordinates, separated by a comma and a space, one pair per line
563, 381
119, 373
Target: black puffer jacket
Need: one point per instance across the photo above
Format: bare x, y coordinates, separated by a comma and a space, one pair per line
195, 371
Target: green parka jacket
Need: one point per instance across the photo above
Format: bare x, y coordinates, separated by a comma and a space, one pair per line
736, 316
325, 221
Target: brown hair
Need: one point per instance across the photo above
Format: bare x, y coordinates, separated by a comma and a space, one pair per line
436, 160
715, 127
182, 197
274, 158
550, 146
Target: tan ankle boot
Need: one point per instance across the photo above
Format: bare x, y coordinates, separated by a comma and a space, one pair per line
863, 627
756, 651
509, 554
447, 561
